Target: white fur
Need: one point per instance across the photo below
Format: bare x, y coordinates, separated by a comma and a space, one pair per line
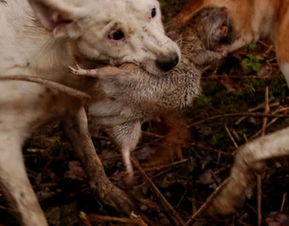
27, 48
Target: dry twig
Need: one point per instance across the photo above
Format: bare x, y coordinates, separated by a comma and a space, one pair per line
231, 137
137, 220
284, 198
213, 77
168, 207
84, 219
251, 114
205, 205
100, 218
279, 110
259, 176
258, 107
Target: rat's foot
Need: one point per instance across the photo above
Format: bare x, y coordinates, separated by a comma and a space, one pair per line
78, 70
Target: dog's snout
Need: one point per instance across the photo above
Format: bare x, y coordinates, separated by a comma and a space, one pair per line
167, 63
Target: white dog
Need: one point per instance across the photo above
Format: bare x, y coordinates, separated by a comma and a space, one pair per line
44, 40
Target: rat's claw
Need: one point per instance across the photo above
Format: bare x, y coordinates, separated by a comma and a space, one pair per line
73, 70
78, 70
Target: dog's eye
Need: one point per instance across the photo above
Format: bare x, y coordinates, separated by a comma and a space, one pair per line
117, 35
153, 12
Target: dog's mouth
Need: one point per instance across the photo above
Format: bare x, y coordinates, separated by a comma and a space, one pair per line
151, 66
148, 65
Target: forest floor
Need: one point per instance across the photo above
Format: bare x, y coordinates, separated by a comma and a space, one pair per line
218, 125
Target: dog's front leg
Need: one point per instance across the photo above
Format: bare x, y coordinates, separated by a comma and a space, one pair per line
251, 159
13, 178
77, 130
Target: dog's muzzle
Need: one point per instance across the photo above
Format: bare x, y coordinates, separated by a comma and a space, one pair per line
166, 63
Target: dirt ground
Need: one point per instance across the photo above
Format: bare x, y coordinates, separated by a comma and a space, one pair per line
218, 126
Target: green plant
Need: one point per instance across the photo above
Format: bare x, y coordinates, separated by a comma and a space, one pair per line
251, 47
251, 63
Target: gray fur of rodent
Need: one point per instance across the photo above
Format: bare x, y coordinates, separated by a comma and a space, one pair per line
135, 96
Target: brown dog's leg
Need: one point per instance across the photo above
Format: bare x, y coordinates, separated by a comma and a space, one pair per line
77, 130
282, 47
13, 178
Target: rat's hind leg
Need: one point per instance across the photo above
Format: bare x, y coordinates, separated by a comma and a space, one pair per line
126, 137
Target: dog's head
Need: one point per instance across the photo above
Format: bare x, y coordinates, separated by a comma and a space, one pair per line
117, 31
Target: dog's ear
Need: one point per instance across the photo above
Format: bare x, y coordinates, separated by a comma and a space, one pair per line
58, 17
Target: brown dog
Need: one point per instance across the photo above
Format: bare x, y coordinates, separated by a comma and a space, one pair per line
251, 20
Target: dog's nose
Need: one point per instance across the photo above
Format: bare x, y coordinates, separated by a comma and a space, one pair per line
168, 62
